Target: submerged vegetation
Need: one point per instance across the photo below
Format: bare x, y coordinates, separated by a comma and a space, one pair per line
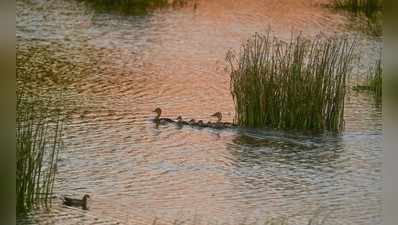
38, 141
132, 6
291, 85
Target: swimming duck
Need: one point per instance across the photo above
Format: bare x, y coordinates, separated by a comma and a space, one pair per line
218, 115
192, 122
219, 124
200, 123
181, 122
77, 202
157, 118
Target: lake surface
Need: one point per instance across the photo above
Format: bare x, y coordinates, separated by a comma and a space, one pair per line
116, 69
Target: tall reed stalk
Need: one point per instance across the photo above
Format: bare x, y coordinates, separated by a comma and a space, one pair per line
38, 140
291, 85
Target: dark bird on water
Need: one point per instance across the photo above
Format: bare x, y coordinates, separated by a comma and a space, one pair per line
218, 115
181, 122
77, 202
157, 118
219, 124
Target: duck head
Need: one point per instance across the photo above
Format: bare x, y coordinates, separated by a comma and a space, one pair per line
179, 118
158, 112
86, 196
218, 115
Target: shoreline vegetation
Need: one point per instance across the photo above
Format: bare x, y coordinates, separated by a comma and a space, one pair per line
368, 7
374, 81
297, 85
132, 7
38, 142
367, 14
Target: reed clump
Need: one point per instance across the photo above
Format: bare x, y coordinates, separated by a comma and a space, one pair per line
375, 79
38, 141
369, 7
298, 84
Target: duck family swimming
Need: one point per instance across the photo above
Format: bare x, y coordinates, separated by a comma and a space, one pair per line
200, 124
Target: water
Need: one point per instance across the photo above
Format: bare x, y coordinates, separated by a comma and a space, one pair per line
116, 69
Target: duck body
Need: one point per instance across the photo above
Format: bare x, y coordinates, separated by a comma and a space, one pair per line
167, 120
76, 202
159, 120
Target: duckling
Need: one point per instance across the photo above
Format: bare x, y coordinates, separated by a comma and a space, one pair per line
192, 122
180, 121
157, 118
77, 202
199, 123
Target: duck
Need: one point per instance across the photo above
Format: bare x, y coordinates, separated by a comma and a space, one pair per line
218, 115
77, 202
192, 122
179, 119
218, 124
200, 123
157, 118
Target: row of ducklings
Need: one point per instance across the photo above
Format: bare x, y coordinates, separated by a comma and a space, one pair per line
179, 121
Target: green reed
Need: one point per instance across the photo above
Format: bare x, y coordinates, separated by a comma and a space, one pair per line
298, 84
38, 141
369, 7
375, 79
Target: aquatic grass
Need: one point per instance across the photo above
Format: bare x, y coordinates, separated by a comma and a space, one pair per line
369, 7
38, 141
298, 84
375, 79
